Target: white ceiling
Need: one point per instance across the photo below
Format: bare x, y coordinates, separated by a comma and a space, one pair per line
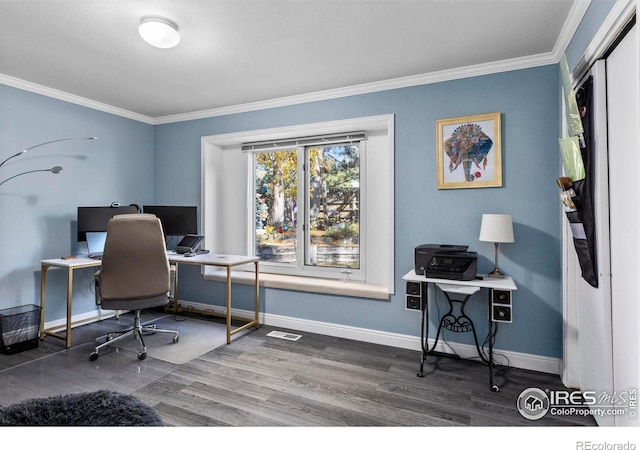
261, 52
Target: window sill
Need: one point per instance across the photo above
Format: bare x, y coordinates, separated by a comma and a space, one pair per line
304, 284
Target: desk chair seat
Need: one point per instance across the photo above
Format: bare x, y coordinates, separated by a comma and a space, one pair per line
134, 275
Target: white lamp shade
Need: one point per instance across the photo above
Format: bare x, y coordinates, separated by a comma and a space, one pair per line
496, 228
159, 32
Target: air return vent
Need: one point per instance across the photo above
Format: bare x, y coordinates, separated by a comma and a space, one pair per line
283, 335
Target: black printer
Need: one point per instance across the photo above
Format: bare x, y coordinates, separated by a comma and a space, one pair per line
451, 262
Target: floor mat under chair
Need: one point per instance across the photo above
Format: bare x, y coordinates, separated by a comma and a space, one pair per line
197, 337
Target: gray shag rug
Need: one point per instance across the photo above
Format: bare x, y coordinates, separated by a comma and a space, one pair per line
101, 409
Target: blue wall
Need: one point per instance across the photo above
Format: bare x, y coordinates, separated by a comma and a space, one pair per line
138, 163
529, 103
38, 211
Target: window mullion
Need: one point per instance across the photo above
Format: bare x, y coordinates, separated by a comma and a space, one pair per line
302, 215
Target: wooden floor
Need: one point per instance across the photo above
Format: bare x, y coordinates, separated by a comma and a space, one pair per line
326, 381
318, 380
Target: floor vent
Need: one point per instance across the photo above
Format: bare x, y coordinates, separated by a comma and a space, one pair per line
283, 335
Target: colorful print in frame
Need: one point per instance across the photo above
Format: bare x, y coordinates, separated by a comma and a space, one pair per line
469, 152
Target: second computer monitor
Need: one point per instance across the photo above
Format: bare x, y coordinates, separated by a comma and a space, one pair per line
96, 218
176, 220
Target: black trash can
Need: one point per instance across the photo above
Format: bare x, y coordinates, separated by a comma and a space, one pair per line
19, 328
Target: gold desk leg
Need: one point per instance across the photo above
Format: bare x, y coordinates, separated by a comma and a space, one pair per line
69, 304
257, 294
43, 294
228, 304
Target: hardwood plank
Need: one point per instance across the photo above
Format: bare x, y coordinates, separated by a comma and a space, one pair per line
262, 381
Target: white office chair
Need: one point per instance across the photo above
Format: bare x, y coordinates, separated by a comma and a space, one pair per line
135, 274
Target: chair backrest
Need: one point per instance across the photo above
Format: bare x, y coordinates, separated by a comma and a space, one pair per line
134, 263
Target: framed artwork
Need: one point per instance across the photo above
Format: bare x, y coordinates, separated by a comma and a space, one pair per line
469, 152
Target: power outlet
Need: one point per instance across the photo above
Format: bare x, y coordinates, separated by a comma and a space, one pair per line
501, 306
413, 298
501, 313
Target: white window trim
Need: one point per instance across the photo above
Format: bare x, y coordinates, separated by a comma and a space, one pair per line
226, 232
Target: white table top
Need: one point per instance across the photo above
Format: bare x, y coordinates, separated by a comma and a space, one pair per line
213, 259
483, 281
72, 262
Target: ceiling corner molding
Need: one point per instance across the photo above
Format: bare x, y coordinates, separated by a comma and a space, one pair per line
616, 20
71, 98
368, 88
577, 12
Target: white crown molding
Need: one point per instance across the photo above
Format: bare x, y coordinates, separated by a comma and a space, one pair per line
578, 10
71, 98
368, 88
616, 20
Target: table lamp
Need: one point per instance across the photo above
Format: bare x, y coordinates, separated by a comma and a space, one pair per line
496, 228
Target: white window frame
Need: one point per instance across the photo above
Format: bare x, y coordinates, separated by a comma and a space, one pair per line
302, 267
228, 212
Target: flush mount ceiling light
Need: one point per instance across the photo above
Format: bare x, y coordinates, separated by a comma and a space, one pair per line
159, 31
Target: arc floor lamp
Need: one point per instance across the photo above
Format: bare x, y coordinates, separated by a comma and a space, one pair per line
54, 169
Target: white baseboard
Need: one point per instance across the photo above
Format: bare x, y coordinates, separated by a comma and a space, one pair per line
505, 357
91, 316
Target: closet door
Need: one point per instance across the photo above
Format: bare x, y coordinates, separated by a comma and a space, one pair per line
593, 304
624, 200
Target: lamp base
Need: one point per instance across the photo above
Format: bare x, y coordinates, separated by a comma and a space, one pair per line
495, 274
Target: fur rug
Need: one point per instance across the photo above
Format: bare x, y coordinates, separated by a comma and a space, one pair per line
101, 408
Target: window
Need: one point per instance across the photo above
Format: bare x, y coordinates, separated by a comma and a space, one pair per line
315, 229
310, 209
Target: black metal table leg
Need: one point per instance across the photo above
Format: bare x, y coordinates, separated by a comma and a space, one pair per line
457, 322
492, 333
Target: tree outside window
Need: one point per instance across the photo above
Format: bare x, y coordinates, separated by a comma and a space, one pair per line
328, 206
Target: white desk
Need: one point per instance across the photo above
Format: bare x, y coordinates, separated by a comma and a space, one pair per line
209, 259
461, 322
228, 262
70, 265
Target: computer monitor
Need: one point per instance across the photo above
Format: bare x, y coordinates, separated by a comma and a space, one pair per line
176, 220
96, 218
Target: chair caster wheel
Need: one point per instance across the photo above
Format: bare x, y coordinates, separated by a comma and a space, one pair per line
93, 356
176, 338
142, 355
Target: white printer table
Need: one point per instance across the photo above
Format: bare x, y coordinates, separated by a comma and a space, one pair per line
457, 320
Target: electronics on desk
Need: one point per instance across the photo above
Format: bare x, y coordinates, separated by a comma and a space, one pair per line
423, 254
462, 266
176, 220
95, 243
451, 262
501, 306
96, 218
189, 244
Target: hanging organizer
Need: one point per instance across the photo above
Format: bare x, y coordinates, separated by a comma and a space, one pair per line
576, 189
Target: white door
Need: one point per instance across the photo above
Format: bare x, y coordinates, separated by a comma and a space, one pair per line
624, 202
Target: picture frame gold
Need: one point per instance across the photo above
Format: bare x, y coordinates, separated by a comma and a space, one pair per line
469, 151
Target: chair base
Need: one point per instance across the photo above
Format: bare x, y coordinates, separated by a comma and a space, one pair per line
137, 331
